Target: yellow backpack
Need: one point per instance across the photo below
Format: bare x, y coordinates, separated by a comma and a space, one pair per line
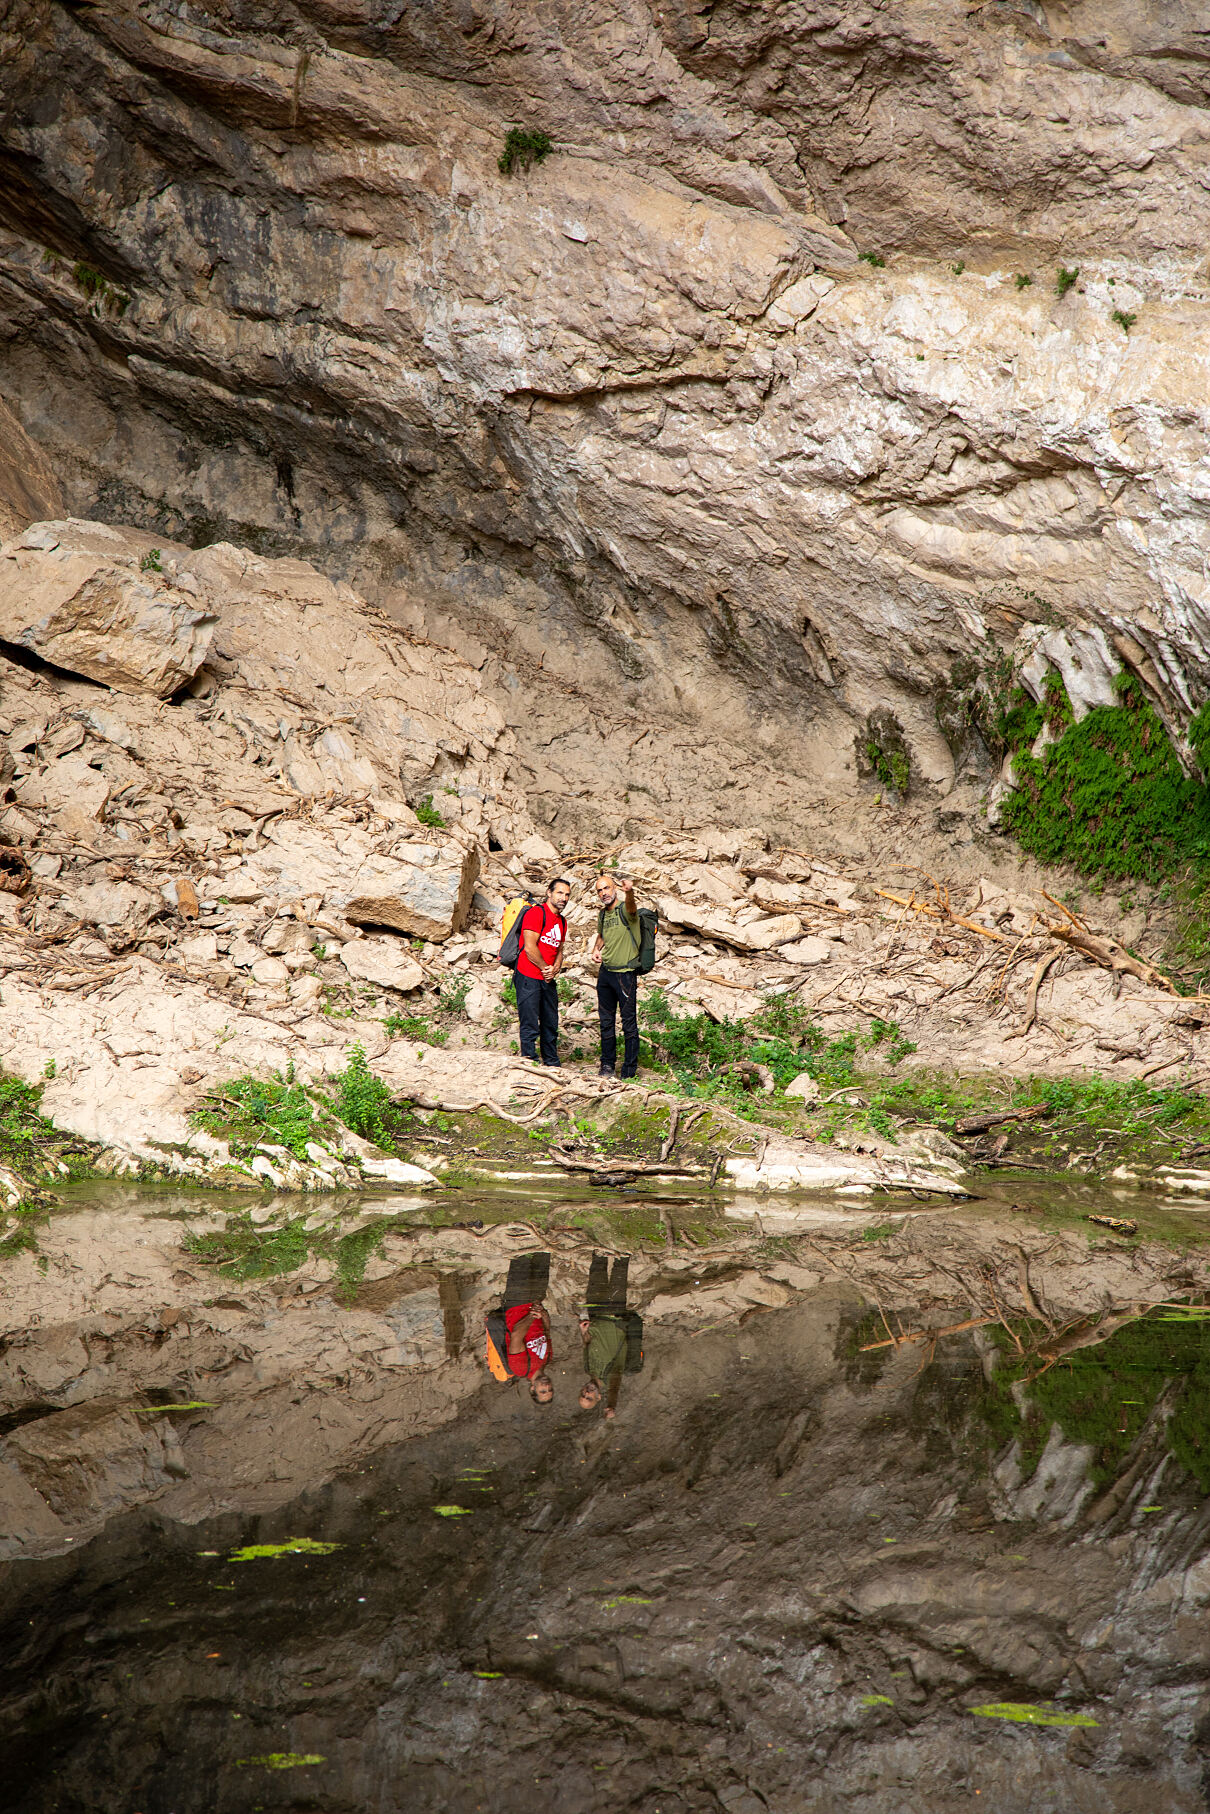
497, 1347
510, 929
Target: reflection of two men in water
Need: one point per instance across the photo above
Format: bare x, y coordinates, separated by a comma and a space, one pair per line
611, 1335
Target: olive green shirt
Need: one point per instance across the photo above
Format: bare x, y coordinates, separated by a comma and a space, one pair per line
605, 1348
621, 951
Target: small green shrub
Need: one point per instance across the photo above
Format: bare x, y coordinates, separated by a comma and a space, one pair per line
1023, 280
522, 147
959, 267
454, 994
1065, 278
427, 813
888, 1033
363, 1102
508, 992
1125, 319
101, 293
892, 766
151, 562
412, 1026
248, 1112
873, 258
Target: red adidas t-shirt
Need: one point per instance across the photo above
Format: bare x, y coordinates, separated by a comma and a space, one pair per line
536, 1352
551, 928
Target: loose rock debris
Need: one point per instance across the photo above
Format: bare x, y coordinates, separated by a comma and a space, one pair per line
307, 848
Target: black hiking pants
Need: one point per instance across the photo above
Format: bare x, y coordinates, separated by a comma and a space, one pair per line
606, 1289
538, 1013
619, 989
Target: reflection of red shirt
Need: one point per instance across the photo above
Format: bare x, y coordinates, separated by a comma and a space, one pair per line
536, 1352
551, 929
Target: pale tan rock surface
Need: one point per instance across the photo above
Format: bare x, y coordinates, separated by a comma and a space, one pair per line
694, 491
381, 961
78, 595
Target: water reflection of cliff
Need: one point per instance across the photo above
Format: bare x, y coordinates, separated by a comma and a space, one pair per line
784, 1578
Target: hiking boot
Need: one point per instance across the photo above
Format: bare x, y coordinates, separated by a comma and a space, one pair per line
606, 1070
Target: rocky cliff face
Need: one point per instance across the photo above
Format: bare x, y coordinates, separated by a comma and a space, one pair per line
634, 427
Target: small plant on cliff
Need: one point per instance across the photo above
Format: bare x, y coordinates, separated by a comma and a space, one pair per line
427, 813
102, 295
891, 766
523, 147
250, 1111
151, 562
1065, 279
454, 993
873, 258
1125, 319
1023, 280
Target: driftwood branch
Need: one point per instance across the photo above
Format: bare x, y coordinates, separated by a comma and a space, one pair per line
979, 1124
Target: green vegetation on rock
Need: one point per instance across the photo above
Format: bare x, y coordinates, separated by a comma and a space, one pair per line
523, 146
1026, 1714
1108, 796
249, 1112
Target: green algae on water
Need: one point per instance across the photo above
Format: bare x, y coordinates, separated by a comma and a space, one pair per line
282, 1760
1026, 1714
194, 1404
294, 1546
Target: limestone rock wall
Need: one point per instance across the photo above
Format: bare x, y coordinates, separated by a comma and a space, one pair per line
636, 430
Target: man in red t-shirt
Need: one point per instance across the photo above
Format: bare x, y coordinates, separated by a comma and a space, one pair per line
529, 1349
539, 961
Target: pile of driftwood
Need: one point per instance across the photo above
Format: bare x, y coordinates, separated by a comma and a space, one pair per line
1062, 929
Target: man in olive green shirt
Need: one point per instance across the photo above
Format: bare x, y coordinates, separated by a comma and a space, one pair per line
616, 950
603, 1332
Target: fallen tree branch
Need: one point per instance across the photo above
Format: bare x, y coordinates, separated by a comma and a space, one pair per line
929, 1335
941, 910
1031, 1001
1109, 953
569, 1163
979, 1124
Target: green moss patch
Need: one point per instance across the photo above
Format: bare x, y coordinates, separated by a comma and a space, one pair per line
1109, 796
282, 1760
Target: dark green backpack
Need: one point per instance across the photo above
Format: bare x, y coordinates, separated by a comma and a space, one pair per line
649, 921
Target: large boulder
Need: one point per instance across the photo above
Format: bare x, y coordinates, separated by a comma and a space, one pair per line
425, 890
92, 600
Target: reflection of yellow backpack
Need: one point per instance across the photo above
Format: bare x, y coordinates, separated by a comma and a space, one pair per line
510, 929
497, 1347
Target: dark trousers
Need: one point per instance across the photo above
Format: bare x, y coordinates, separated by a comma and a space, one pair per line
619, 989
528, 1279
538, 1013
607, 1291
